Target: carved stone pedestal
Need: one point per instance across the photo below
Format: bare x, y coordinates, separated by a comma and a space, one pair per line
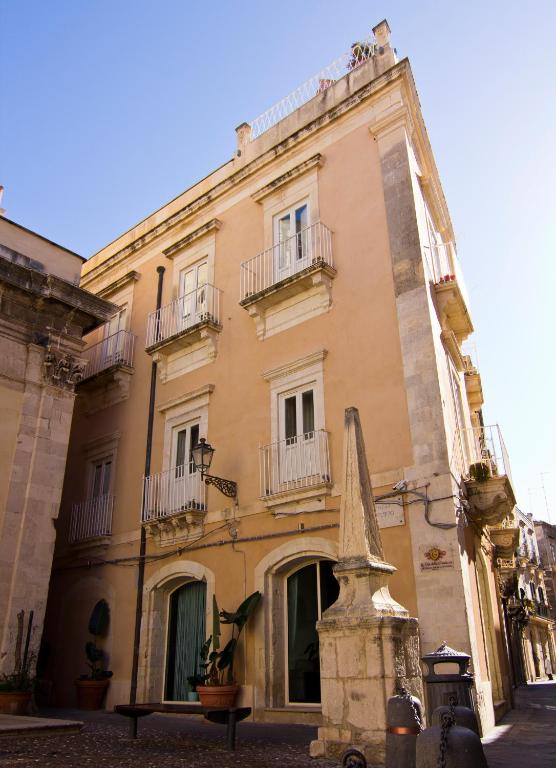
368, 643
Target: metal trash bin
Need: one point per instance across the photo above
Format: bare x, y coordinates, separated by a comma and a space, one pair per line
445, 689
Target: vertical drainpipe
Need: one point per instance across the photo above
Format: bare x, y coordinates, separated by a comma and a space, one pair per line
143, 540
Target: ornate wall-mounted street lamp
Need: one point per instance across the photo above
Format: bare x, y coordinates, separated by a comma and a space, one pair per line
202, 457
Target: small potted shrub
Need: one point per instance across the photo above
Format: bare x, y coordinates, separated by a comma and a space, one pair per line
92, 688
194, 681
219, 688
16, 688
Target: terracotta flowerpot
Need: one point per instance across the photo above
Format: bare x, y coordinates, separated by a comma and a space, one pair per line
217, 695
14, 702
90, 693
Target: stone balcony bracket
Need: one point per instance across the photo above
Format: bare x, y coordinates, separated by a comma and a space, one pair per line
490, 501
505, 540
452, 309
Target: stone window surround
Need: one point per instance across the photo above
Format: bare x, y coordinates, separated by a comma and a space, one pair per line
194, 250
184, 411
100, 448
293, 376
269, 626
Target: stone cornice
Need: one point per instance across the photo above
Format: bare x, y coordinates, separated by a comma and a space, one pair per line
206, 389
313, 162
52, 288
119, 283
296, 365
250, 168
211, 226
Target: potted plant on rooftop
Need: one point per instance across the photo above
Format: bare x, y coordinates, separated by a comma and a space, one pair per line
91, 688
219, 688
16, 688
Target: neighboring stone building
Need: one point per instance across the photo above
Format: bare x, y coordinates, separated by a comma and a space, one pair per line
43, 315
331, 220
546, 543
525, 602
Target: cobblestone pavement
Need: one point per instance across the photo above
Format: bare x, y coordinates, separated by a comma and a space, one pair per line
165, 741
526, 737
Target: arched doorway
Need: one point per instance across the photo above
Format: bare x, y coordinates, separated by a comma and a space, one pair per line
310, 589
186, 635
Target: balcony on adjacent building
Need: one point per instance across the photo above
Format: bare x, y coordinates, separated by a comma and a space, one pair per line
115, 351
174, 502
91, 519
301, 264
450, 295
183, 334
481, 460
180, 323
108, 370
298, 466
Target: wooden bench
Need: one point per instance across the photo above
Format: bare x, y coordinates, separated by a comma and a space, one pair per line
223, 716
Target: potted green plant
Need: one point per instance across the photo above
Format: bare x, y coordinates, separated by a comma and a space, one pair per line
16, 688
194, 681
219, 688
92, 688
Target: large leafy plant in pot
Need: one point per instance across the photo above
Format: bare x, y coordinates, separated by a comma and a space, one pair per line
220, 688
92, 687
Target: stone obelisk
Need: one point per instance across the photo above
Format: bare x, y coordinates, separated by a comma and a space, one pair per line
368, 642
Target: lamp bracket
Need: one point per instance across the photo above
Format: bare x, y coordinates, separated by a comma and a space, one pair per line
227, 487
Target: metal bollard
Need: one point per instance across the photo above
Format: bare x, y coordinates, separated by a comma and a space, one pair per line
449, 746
404, 724
464, 717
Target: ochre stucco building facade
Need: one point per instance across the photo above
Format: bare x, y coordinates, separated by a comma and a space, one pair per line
314, 271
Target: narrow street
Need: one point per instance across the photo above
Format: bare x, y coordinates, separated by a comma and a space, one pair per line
527, 735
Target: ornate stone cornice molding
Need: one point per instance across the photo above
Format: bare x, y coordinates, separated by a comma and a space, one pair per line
194, 394
296, 365
119, 283
211, 226
313, 162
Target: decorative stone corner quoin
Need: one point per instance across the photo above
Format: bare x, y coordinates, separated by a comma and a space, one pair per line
61, 369
369, 644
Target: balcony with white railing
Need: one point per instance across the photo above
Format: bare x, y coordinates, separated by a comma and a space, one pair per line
176, 496
297, 466
450, 292
185, 320
113, 351
91, 519
300, 266
480, 459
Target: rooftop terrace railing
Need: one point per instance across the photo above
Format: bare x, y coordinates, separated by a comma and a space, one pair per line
342, 66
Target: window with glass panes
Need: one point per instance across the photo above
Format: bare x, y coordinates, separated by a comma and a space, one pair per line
186, 439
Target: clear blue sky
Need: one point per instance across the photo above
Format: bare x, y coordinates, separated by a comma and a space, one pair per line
110, 108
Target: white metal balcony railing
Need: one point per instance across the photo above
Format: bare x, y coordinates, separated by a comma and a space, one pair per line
172, 492
116, 349
342, 66
309, 248
481, 444
200, 306
91, 518
298, 462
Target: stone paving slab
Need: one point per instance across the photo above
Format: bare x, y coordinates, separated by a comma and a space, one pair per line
526, 736
36, 726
